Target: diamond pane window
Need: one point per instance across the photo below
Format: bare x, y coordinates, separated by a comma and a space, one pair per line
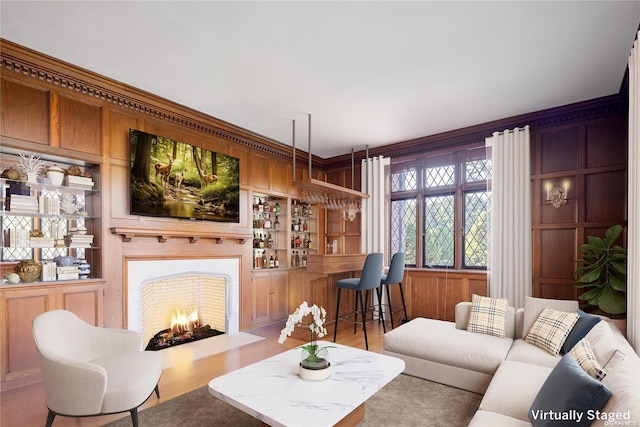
476, 228
442, 176
16, 222
478, 170
404, 181
439, 231
403, 228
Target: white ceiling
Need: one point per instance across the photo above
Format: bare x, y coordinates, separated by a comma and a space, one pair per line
369, 72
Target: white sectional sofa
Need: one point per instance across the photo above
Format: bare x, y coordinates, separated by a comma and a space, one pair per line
511, 372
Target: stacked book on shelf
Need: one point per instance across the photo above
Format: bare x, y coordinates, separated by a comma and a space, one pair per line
68, 273
16, 238
49, 271
48, 205
78, 181
78, 240
41, 242
22, 204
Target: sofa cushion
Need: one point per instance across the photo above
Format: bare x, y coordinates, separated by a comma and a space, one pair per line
493, 419
603, 343
513, 389
568, 394
488, 315
551, 328
534, 306
522, 351
587, 360
580, 329
442, 342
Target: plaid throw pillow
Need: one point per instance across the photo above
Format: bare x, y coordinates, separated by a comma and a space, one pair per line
551, 328
587, 360
488, 315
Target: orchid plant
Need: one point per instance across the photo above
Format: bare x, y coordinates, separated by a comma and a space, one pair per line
316, 327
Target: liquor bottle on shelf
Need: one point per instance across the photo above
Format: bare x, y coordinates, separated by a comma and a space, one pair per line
276, 224
305, 226
277, 261
264, 259
269, 241
261, 242
304, 258
267, 221
265, 206
272, 262
276, 208
260, 205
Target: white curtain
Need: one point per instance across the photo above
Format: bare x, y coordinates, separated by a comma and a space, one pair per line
510, 241
374, 221
633, 243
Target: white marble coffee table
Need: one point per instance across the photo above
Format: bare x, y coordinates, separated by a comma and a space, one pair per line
272, 391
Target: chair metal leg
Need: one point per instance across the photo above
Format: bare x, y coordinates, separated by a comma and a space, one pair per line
389, 305
50, 416
335, 326
355, 310
134, 416
404, 306
364, 323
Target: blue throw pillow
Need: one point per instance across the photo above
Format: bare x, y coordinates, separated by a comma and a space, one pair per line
569, 396
580, 329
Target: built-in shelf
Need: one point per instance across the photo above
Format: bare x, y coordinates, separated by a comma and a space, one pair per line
129, 233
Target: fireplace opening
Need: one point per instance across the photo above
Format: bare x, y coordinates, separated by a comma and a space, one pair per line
185, 327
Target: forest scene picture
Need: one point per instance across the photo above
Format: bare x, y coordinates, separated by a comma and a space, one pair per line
174, 179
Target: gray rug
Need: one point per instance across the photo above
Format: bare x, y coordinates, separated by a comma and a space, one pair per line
405, 401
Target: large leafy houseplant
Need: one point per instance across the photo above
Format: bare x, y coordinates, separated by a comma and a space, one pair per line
603, 270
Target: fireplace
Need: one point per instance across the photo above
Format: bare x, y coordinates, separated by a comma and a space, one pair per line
155, 288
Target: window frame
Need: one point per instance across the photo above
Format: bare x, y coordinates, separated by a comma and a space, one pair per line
456, 156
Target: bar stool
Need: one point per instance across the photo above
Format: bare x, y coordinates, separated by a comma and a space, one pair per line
370, 279
393, 276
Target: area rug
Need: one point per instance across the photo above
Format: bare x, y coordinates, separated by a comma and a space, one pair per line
406, 402
189, 352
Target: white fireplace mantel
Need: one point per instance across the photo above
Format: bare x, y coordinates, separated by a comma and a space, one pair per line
140, 272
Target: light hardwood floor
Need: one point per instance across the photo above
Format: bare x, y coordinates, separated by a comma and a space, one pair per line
26, 406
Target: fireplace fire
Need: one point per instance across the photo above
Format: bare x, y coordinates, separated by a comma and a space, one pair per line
185, 327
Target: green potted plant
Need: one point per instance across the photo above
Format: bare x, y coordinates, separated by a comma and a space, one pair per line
603, 271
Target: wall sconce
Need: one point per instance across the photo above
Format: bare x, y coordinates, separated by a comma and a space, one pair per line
556, 196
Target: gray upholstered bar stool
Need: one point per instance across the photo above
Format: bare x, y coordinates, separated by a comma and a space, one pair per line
370, 279
393, 276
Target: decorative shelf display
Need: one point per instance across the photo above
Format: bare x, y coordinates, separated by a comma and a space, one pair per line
269, 232
46, 211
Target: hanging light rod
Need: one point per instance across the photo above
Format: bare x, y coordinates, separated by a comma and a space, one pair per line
321, 189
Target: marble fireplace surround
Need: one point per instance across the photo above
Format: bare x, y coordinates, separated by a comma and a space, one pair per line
143, 271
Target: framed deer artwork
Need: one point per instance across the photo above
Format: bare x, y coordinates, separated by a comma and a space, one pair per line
178, 180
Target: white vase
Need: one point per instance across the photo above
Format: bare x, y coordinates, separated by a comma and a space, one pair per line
32, 177
316, 369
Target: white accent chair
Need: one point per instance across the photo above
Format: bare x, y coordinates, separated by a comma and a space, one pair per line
89, 371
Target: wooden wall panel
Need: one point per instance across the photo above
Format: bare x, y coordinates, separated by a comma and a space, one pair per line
19, 102
280, 175
605, 196
603, 147
21, 355
84, 301
80, 125
559, 149
559, 246
259, 171
120, 124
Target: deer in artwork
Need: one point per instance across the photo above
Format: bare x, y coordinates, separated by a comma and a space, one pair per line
208, 179
177, 179
163, 170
